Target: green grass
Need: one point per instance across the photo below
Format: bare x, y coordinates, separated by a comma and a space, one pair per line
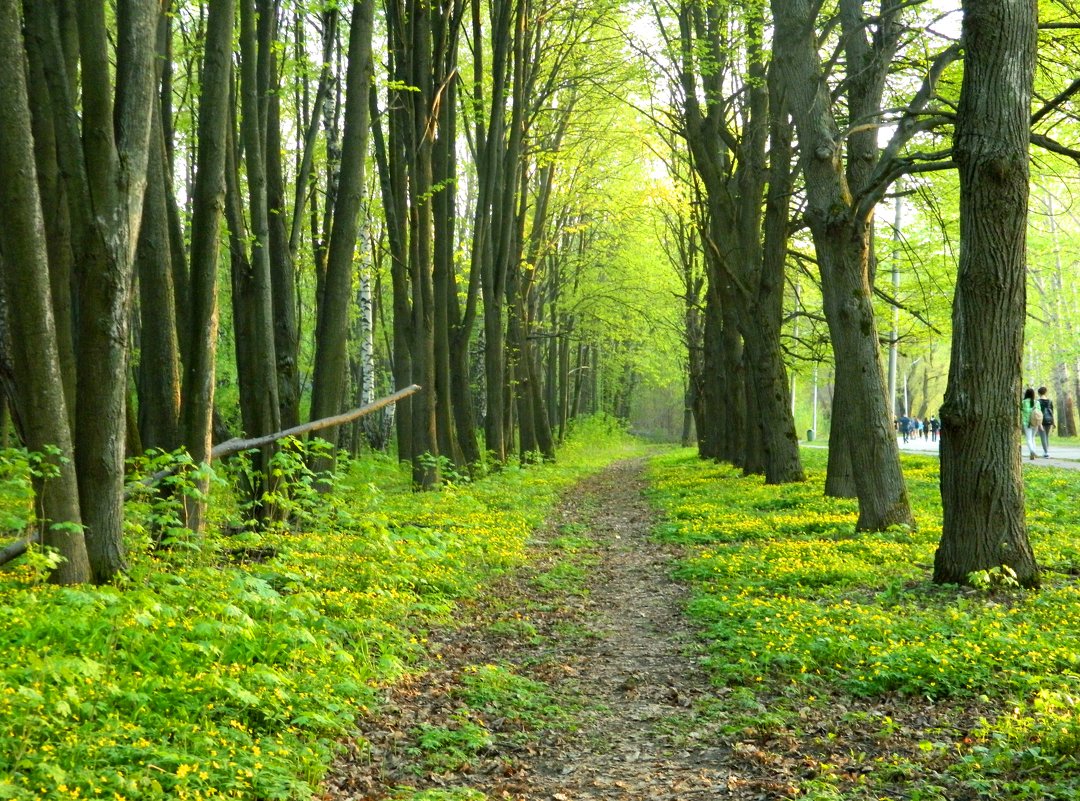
794, 605
211, 675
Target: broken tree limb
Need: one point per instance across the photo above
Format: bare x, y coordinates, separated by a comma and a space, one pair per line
235, 445
19, 547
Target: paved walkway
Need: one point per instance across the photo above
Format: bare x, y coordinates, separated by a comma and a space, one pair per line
1067, 455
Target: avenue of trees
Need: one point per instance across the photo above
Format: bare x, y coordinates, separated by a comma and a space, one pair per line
224, 218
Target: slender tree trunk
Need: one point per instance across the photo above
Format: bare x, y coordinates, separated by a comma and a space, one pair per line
252, 291
159, 351
328, 383
282, 269
710, 428
208, 201
25, 273
444, 208
389, 159
982, 489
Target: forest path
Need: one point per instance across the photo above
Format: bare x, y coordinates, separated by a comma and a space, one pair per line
597, 618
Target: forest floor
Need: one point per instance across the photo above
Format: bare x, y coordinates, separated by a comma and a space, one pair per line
575, 678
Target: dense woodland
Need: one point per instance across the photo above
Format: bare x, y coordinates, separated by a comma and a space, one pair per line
223, 218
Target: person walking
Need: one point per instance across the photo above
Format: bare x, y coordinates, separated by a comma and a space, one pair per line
1046, 406
905, 426
1030, 419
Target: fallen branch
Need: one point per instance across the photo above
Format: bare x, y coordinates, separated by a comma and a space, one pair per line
19, 547
235, 445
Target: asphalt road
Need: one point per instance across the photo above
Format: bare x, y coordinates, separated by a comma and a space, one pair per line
1061, 455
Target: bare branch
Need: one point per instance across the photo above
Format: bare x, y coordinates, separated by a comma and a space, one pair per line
1055, 103
912, 122
1046, 143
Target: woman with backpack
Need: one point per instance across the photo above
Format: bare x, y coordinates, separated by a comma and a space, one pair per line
1031, 418
1046, 406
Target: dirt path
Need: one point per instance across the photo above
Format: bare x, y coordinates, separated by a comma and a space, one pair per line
597, 619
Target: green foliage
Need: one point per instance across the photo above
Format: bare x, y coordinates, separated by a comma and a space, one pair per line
790, 600
230, 670
16, 494
450, 748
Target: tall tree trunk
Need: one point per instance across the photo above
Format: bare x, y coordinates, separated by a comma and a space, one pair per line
772, 403
208, 201
842, 235
331, 335
159, 351
252, 291
389, 161
49, 92
282, 269
25, 273
982, 490
115, 144
444, 208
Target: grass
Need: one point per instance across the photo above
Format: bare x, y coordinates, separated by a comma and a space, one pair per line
799, 611
229, 667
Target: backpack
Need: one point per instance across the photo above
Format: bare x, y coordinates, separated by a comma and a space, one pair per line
1047, 412
1035, 419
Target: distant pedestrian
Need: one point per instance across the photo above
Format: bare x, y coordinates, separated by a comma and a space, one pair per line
1030, 419
905, 426
1047, 407
935, 427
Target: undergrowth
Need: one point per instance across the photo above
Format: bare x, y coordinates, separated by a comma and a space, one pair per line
229, 666
794, 606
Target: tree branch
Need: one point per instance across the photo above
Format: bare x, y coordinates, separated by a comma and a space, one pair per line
1046, 143
911, 122
235, 445
1055, 103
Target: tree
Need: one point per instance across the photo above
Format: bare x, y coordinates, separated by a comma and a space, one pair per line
207, 211
25, 271
845, 177
727, 140
328, 381
982, 490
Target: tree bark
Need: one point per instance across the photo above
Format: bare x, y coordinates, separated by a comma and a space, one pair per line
332, 326
159, 350
115, 147
25, 272
982, 489
282, 268
842, 231
208, 201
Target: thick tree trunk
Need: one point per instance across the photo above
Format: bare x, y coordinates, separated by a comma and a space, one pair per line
772, 404
860, 382
842, 233
25, 273
982, 490
115, 144
48, 93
